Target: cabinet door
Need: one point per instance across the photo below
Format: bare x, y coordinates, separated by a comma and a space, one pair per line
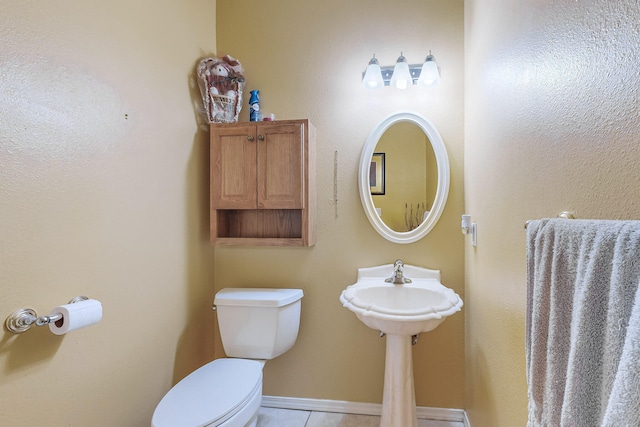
280, 166
233, 167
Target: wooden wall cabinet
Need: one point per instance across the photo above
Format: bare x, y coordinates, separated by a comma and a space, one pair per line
263, 183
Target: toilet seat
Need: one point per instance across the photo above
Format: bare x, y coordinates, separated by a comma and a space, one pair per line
212, 394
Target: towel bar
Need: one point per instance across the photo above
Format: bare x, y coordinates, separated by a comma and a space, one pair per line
565, 215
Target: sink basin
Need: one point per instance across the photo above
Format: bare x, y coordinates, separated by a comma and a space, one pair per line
400, 309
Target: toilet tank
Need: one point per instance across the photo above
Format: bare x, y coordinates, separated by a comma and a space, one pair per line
258, 323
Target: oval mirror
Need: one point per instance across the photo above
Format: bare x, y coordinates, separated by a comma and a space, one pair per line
404, 177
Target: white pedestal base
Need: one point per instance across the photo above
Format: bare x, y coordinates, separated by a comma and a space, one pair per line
398, 399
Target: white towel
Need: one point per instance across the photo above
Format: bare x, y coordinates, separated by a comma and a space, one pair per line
583, 323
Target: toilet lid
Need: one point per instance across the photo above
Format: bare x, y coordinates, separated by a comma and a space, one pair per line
210, 394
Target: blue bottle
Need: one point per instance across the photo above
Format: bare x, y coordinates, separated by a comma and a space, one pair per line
254, 106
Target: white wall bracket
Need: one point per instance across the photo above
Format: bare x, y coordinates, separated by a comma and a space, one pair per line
469, 227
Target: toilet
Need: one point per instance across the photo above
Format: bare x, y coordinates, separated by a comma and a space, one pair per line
256, 325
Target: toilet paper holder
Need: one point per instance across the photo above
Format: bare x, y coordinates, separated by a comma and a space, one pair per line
24, 318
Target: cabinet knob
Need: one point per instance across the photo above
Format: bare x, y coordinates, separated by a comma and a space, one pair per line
249, 137
261, 137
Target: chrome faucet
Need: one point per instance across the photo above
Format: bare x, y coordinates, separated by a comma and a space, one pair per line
397, 278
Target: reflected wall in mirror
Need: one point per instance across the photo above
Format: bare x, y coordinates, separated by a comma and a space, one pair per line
416, 177
413, 176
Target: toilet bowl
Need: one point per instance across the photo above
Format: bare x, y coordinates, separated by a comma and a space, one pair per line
255, 325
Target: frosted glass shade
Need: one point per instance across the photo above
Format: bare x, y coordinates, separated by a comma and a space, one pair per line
373, 76
429, 75
401, 78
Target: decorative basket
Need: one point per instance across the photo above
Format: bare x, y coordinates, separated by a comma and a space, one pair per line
221, 83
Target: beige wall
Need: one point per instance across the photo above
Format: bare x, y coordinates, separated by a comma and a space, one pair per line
103, 192
551, 124
306, 58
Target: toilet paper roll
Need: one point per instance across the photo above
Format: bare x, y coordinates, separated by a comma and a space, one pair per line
76, 316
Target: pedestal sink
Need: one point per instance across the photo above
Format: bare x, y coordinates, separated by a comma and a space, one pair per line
400, 301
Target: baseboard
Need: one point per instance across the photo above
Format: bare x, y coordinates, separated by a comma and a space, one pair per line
467, 423
345, 407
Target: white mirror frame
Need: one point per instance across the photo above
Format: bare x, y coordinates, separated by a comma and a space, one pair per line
442, 190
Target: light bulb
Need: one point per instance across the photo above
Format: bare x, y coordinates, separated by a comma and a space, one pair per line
373, 75
429, 75
401, 78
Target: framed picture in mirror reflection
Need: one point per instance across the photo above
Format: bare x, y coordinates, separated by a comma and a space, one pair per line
376, 174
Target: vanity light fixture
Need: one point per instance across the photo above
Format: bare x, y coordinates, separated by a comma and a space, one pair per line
402, 75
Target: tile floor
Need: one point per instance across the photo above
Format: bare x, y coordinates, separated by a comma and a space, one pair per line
272, 417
